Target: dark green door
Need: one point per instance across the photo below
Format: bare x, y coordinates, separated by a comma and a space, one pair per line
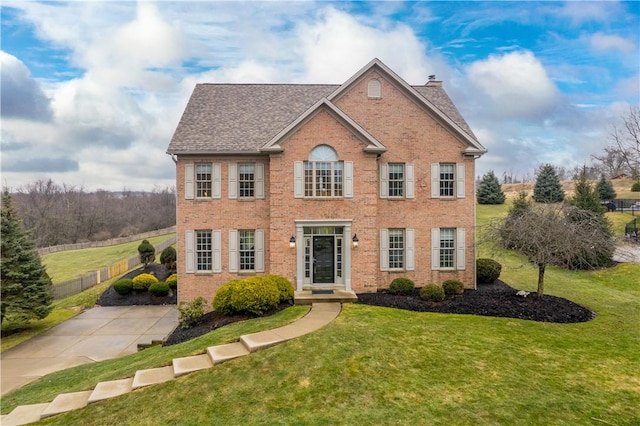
323, 260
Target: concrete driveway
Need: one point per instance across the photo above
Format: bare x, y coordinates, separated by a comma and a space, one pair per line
97, 334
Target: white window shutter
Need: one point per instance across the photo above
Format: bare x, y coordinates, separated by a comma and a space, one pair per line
259, 248
190, 259
233, 250
460, 249
233, 181
435, 248
384, 181
188, 181
348, 179
435, 180
216, 177
298, 179
259, 176
410, 250
384, 249
410, 180
460, 179
217, 250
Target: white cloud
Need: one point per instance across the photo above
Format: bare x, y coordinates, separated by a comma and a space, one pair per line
21, 95
337, 45
600, 41
515, 84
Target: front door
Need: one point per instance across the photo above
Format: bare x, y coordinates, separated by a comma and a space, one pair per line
323, 260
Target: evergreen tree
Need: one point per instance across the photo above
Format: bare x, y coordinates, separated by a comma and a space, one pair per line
605, 189
489, 190
547, 188
147, 253
26, 287
520, 204
586, 197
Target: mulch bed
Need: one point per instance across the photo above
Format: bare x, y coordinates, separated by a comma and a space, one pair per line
494, 300
111, 298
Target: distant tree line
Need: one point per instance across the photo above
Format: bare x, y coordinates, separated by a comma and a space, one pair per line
64, 214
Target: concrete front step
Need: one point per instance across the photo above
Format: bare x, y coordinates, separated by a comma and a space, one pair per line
66, 402
306, 297
111, 389
24, 414
152, 376
190, 364
222, 353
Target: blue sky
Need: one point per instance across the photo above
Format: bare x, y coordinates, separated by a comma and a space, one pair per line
92, 91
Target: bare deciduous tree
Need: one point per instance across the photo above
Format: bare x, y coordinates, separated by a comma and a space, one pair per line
552, 235
626, 139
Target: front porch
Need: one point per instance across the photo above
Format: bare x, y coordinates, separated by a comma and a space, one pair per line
308, 297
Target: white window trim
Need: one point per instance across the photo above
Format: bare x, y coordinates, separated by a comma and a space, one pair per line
234, 252
190, 252
347, 181
190, 183
409, 250
459, 257
459, 181
409, 181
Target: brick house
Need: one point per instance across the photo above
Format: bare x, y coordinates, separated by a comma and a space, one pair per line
342, 187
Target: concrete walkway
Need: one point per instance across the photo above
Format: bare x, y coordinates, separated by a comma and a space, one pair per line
320, 315
97, 334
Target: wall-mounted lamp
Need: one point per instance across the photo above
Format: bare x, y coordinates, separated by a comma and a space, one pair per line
355, 240
292, 242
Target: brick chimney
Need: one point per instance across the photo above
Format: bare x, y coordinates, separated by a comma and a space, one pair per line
433, 82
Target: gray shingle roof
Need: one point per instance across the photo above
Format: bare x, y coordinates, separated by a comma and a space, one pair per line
241, 118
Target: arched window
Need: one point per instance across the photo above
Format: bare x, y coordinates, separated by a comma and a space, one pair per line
373, 89
323, 173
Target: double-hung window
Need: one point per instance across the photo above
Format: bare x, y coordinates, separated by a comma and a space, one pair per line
323, 175
397, 249
448, 248
203, 180
247, 250
396, 180
246, 180
204, 251
448, 180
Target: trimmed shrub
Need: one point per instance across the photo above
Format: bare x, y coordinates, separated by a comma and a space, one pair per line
168, 258
487, 270
160, 289
123, 286
253, 295
635, 187
284, 287
453, 287
172, 280
143, 281
432, 293
401, 286
191, 313
147, 253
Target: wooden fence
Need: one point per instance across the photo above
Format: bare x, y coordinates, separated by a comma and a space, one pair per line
77, 285
106, 243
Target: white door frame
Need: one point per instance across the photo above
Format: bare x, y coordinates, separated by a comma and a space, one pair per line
347, 236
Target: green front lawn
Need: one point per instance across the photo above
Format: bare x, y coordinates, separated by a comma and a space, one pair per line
70, 264
381, 366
